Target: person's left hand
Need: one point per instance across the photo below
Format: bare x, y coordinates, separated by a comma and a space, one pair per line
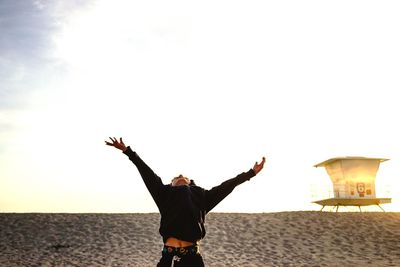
258, 167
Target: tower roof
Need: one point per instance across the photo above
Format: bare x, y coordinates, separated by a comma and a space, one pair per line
326, 162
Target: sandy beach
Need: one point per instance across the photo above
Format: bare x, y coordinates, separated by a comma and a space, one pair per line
307, 238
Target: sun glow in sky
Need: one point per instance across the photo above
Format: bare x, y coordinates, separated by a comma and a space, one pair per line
199, 88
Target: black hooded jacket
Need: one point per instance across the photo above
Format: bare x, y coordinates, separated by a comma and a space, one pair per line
183, 208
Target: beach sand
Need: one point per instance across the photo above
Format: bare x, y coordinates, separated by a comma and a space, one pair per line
308, 238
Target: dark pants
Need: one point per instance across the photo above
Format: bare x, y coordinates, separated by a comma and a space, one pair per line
174, 259
185, 261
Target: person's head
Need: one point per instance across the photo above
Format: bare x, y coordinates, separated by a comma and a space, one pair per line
180, 180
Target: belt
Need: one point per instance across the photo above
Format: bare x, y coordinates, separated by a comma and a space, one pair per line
181, 251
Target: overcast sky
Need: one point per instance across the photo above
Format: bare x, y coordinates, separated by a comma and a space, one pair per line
199, 88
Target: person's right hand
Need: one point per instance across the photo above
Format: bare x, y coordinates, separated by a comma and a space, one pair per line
120, 145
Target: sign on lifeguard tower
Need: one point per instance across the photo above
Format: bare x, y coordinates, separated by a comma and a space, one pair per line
353, 181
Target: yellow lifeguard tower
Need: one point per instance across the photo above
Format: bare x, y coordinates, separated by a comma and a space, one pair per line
353, 181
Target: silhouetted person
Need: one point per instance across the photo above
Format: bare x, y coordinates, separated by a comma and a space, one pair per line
183, 206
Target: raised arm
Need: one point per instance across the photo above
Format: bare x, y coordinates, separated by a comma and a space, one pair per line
153, 183
216, 194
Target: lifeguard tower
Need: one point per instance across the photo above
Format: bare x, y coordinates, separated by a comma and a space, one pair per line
353, 181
